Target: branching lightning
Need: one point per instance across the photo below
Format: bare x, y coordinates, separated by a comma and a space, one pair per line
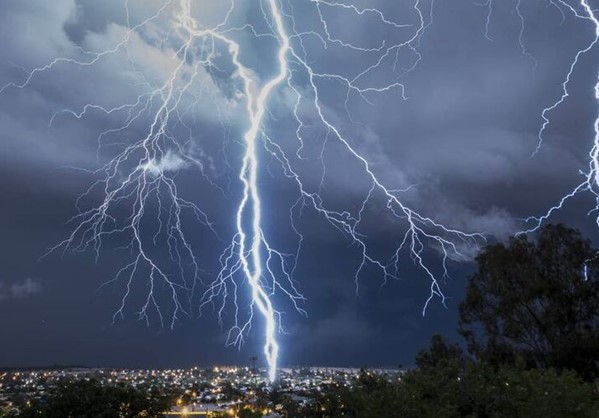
590, 181
141, 179
253, 264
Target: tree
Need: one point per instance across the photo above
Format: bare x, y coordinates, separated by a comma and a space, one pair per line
455, 389
371, 396
536, 302
476, 389
248, 413
438, 352
91, 399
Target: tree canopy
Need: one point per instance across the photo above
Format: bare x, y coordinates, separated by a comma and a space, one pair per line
453, 389
92, 399
536, 302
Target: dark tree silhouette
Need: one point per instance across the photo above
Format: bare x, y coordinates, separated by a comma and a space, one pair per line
536, 302
92, 399
438, 352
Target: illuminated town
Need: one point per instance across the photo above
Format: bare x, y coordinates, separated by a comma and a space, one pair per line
218, 391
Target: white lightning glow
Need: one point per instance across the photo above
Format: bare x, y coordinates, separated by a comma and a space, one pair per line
249, 175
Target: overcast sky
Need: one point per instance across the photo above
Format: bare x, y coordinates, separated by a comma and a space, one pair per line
461, 133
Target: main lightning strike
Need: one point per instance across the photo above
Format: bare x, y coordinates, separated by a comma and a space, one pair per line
256, 109
344, 221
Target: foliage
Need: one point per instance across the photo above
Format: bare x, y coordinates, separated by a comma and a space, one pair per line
454, 389
438, 352
91, 399
531, 320
248, 413
531, 301
479, 390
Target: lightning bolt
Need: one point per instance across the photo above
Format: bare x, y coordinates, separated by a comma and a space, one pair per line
253, 271
235, 258
590, 177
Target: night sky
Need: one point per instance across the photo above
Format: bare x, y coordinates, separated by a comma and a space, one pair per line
462, 137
